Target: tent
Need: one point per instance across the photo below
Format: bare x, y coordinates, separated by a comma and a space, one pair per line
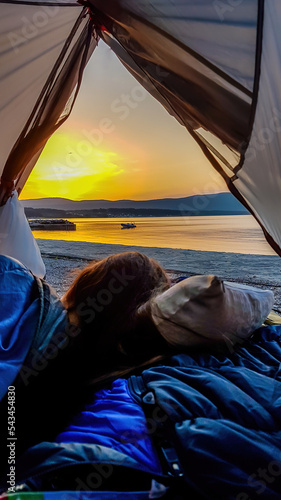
207, 62
215, 65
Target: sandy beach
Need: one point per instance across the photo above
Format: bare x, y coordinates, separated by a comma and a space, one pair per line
64, 258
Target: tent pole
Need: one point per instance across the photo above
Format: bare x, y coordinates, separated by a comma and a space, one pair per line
6, 189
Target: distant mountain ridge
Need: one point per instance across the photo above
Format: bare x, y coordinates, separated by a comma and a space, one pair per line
222, 202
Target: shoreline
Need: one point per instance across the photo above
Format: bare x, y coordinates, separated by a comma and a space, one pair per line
64, 259
226, 265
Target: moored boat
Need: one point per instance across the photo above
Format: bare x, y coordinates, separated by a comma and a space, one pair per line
52, 225
128, 225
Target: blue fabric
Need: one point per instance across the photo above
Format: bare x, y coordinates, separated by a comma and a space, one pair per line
222, 414
19, 313
225, 410
115, 420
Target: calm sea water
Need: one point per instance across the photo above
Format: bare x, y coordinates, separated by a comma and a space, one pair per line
239, 233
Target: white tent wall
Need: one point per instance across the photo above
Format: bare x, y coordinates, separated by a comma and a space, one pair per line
207, 27
41, 78
228, 36
199, 58
31, 40
200, 92
259, 180
64, 97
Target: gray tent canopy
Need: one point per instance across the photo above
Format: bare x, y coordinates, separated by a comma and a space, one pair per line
214, 65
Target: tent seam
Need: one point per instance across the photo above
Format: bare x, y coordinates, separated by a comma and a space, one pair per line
259, 37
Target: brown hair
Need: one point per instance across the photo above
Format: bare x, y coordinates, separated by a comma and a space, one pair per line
110, 343
106, 297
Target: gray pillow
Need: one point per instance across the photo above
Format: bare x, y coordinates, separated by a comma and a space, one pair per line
206, 310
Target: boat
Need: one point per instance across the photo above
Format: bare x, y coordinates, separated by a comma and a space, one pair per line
128, 225
52, 225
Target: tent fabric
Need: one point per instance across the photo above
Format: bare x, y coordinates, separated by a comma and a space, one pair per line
45, 52
26, 61
16, 238
259, 179
199, 92
197, 24
203, 60
213, 65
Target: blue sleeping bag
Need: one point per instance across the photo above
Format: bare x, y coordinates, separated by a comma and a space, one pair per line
215, 421
224, 413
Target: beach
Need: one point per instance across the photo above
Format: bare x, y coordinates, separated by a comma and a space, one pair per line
64, 258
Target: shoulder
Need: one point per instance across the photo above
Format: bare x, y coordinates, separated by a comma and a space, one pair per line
14, 277
9, 264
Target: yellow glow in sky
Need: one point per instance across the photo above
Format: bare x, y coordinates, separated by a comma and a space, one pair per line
62, 170
119, 143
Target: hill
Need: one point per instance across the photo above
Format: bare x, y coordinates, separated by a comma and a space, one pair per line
209, 204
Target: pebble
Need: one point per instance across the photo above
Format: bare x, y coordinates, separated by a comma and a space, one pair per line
61, 271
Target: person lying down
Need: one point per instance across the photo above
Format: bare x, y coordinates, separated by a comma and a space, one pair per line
69, 360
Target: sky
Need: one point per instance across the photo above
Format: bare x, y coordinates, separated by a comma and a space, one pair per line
119, 143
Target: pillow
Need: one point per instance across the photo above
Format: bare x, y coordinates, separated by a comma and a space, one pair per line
204, 310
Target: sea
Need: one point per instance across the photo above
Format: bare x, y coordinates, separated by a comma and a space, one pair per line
238, 234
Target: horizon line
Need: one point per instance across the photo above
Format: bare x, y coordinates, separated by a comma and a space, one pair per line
123, 199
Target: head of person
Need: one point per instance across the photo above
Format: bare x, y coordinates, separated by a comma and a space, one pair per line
111, 335
105, 302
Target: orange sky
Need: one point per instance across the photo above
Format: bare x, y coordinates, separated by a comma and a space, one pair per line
119, 143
